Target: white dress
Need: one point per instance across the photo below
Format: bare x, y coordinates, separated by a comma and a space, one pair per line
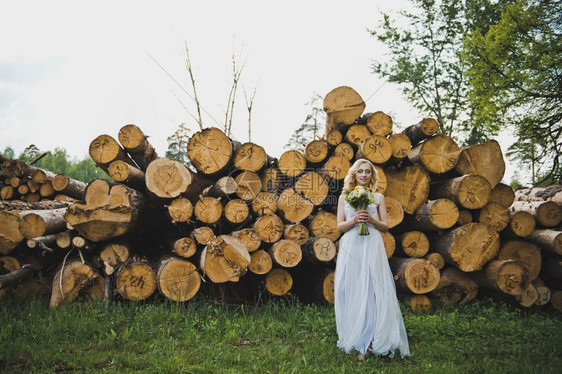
366, 306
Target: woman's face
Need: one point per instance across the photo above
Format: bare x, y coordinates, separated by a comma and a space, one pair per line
364, 174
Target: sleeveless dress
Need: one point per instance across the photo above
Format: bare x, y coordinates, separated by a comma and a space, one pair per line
366, 307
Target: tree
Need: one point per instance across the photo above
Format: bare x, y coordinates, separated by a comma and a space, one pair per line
177, 144
8, 152
312, 125
425, 60
515, 80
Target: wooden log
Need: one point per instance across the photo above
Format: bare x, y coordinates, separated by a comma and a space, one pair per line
528, 254
137, 145
76, 282
375, 148
438, 154
47, 240
112, 256
278, 282
316, 152
551, 270
319, 249
265, 203
543, 292
167, 178
135, 280
345, 150
236, 211
208, 210
357, 134
417, 303
33, 187
293, 207
252, 157
269, 228
343, 105
80, 242
223, 187
108, 211
522, 224
410, 186
389, 243
180, 210
297, 233
10, 235
14, 278
485, 159
549, 240
22, 189
105, 149
436, 259
68, 186
434, 215
503, 194
32, 197
46, 190
471, 191
127, 174
400, 145
528, 297
7, 192
324, 224
414, 274
292, 163
336, 167
412, 244
177, 279
547, 213
211, 151
556, 300
202, 235
260, 262
422, 130
495, 215
248, 185
465, 216
36, 223
508, 276
224, 259
184, 247
394, 211
249, 238
333, 137
64, 239
286, 253
550, 193
379, 123
468, 247
313, 186
8, 264
454, 288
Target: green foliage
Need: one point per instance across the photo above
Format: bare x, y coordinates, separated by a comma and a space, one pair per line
425, 60
59, 162
177, 144
280, 336
312, 125
515, 70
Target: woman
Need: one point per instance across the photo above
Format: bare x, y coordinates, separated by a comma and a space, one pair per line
368, 317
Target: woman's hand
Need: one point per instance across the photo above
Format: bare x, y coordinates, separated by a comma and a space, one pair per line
362, 216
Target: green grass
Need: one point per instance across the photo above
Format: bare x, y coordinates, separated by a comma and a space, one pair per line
281, 336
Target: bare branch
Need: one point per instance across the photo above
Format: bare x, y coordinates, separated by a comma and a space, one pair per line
249, 105
190, 70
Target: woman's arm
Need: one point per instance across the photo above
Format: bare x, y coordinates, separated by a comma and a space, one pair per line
380, 224
343, 225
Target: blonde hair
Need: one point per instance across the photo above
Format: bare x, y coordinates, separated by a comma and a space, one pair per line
349, 182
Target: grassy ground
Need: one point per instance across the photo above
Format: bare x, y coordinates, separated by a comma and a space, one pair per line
281, 336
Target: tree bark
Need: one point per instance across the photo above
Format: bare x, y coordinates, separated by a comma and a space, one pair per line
455, 288
422, 130
414, 274
547, 213
137, 145
549, 240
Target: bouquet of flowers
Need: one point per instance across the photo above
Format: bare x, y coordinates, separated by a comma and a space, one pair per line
359, 198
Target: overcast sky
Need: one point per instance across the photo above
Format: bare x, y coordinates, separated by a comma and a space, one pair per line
71, 72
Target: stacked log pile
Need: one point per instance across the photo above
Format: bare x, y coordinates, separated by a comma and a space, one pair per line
237, 222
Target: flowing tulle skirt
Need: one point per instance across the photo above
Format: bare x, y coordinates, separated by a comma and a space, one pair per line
368, 315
